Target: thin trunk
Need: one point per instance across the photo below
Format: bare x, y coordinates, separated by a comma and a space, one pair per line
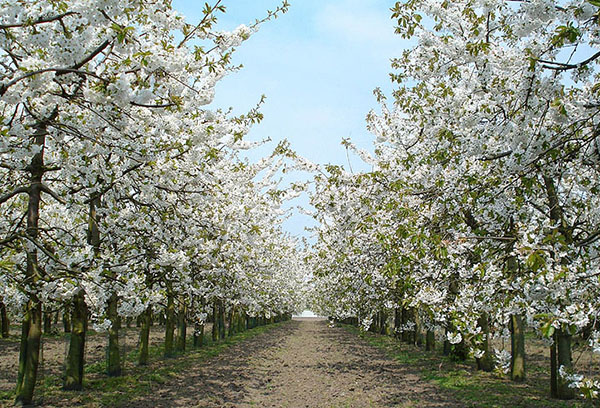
553, 369
198, 335
77, 325
181, 326
5, 321
47, 322
31, 353
562, 337
170, 323
485, 362
31, 338
419, 340
405, 316
383, 329
221, 320
241, 322
144, 336
430, 341
113, 363
447, 344
76, 355
66, 318
215, 326
231, 329
564, 360
397, 323
517, 343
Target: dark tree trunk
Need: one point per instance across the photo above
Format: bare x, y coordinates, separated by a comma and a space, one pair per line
47, 322
215, 326
144, 336
66, 318
181, 325
198, 335
430, 341
5, 321
76, 355
221, 320
113, 361
564, 359
32, 323
486, 362
517, 343
170, 323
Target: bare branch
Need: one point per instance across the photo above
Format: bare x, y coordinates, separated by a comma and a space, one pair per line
589, 240
559, 66
490, 238
142, 105
40, 20
59, 71
197, 27
48, 190
496, 156
13, 193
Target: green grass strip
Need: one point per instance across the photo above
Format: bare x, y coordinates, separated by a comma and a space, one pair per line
463, 382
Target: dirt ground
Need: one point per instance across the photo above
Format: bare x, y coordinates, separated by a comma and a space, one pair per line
303, 363
55, 348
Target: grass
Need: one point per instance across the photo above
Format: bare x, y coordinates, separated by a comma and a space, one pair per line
467, 385
103, 391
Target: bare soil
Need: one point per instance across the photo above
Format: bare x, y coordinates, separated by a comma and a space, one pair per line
55, 348
303, 363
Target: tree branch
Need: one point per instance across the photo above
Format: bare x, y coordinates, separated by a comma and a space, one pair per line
59, 71
40, 20
13, 193
47, 190
496, 156
206, 16
559, 66
142, 105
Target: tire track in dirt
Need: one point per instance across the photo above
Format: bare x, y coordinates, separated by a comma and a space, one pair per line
303, 363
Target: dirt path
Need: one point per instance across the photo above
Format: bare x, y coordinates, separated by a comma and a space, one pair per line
299, 364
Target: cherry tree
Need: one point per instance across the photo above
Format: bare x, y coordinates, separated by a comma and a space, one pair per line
97, 100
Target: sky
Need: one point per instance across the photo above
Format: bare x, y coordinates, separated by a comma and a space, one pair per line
317, 65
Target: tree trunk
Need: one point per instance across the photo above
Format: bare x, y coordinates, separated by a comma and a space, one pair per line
418, 329
170, 323
181, 326
5, 321
32, 324
517, 343
215, 326
113, 361
562, 337
447, 345
430, 341
553, 369
144, 336
30, 352
221, 320
406, 334
486, 362
47, 322
198, 335
76, 355
66, 319
397, 323
231, 329
563, 356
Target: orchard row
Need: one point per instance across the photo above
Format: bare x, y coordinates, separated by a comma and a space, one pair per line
121, 195
480, 217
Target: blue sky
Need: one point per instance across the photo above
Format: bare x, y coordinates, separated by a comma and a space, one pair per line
318, 66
